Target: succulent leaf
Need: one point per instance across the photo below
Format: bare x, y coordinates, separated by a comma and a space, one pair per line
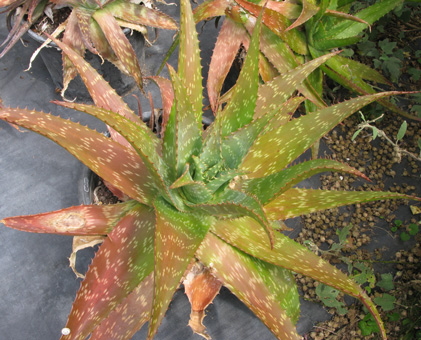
224, 53
177, 237
107, 158
309, 10
129, 316
264, 288
167, 94
119, 43
295, 202
278, 24
270, 187
121, 263
80, 220
210, 9
189, 68
287, 142
137, 14
274, 93
244, 234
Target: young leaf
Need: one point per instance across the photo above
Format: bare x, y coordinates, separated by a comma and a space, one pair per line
402, 131
386, 282
386, 301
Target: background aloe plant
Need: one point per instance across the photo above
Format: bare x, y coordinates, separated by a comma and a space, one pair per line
204, 205
294, 32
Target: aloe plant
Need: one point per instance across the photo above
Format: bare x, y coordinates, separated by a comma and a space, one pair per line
203, 205
295, 31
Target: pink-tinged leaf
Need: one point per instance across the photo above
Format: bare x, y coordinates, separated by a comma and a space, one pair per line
266, 70
189, 68
289, 141
101, 92
288, 9
129, 316
119, 43
177, 237
81, 220
278, 24
73, 38
285, 112
210, 9
296, 202
123, 261
240, 109
140, 14
201, 288
189, 133
269, 291
108, 159
274, 93
224, 53
270, 187
84, 18
167, 95
245, 235
309, 10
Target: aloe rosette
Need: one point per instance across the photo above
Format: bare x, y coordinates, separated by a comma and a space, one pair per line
295, 31
96, 26
204, 204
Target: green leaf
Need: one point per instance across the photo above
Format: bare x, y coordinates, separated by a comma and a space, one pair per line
178, 234
413, 229
289, 141
329, 295
269, 291
244, 234
394, 317
80, 220
130, 315
188, 133
402, 131
295, 202
343, 233
268, 188
356, 133
405, 236
368, 325
375, 132
386, 302
386, 282
387, 46
132, 262
189, 68
125, 169
309, 10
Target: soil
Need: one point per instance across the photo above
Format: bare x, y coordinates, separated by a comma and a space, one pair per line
44, 23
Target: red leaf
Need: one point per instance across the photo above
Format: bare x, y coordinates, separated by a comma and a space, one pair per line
81, 220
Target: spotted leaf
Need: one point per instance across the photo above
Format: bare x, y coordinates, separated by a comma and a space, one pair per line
295, 202
129, 316
270, 187
189, 68
115, 163
224, 53
177, 237
123, 261
210, 9
80, 220
269, 291
245, 235
167, 95
308, 11
288, 141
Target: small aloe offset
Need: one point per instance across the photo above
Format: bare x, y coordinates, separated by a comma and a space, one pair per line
203, 205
